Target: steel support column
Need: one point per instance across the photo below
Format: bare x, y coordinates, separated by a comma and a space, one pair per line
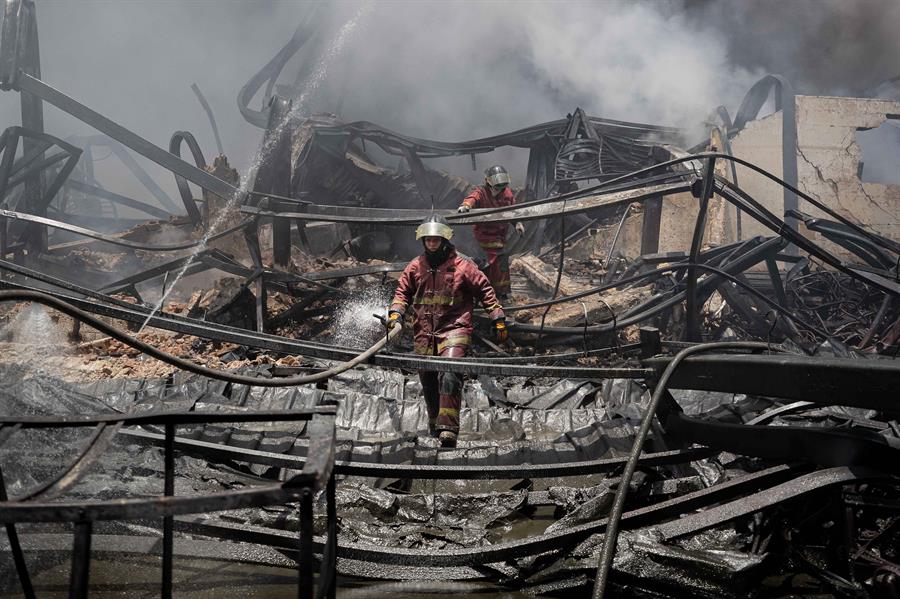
79, 576
692, 328
274, 175
33, 120
16, 549
305, 546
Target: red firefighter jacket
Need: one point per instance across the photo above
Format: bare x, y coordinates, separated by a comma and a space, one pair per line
490, 235
443, 299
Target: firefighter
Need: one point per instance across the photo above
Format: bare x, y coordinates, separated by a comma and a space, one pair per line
492, 236
441, 286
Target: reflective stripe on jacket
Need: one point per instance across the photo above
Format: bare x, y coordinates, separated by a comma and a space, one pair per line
443, 299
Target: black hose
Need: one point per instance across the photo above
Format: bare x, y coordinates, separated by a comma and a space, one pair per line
80, 315
615, 514
175, 148
629, 320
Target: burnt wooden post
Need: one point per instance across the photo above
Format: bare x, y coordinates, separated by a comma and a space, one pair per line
692, 328
274, 175
33, 200
16, 549
650, 226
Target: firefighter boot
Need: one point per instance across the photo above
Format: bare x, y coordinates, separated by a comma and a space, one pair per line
447, 438
432, 399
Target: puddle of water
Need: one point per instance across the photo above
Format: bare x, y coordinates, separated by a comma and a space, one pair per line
139, 576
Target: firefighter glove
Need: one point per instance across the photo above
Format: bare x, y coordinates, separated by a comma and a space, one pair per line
463, 209
394, 316
500, 332
520, 228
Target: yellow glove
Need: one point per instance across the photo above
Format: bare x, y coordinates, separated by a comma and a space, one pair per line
394, 316
501, 334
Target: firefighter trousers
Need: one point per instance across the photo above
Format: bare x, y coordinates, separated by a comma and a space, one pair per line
443, 394
497, 268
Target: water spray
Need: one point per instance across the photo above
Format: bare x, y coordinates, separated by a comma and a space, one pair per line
353, 323
311, 85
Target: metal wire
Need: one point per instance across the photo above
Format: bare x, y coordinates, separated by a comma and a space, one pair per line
615, 514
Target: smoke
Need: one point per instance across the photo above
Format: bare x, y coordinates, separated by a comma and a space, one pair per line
824, 47
449, 70
467, 70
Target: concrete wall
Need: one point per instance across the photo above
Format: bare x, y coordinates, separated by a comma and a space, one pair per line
679, 215
828, 157
828, 163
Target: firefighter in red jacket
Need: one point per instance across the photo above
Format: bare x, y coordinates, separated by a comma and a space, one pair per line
492, 236
441, 286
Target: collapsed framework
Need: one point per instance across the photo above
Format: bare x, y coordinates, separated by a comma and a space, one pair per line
699, 382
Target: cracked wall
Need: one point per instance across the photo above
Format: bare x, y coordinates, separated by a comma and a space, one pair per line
828, 158
676, 229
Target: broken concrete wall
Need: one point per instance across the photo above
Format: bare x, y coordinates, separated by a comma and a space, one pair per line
828, 163
676, 229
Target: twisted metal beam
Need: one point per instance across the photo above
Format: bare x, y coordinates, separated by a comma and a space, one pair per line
478, 556
220, 452
115, 239
138, 314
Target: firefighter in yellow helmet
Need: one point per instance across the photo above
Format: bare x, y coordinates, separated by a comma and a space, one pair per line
442, 286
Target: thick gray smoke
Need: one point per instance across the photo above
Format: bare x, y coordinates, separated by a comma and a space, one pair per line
451, 71
461, 70
824, 47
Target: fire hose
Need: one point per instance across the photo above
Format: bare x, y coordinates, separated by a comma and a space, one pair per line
615, 515
154, 352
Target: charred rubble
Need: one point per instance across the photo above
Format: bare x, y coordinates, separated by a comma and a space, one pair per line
698, 396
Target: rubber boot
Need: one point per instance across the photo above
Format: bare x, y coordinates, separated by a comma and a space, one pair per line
447, 439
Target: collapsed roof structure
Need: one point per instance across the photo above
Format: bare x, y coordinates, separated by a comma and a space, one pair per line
699, 383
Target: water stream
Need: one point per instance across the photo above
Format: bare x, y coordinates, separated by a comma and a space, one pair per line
298, 109
354, 323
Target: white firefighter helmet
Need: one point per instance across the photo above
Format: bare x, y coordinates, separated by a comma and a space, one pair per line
434, 226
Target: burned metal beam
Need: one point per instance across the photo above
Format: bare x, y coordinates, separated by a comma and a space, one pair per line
139, 314
747, 505
534, 545
217, 451
115, 198
114, 239
520, 212
27, 83
187, 198
859, 383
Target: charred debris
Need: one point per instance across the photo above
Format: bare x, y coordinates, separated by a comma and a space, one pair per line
698, 396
